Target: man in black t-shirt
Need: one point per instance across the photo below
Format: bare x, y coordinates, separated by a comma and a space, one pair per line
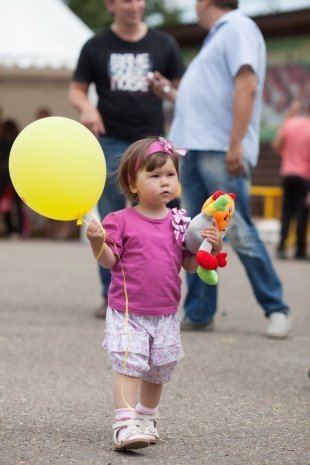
120, 62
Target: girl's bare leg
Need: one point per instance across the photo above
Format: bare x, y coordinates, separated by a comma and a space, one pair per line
150, 393
125, 391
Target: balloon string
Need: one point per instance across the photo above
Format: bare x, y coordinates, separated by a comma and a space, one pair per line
101, 250
126, 304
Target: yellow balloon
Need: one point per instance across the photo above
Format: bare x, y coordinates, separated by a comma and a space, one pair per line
58, 168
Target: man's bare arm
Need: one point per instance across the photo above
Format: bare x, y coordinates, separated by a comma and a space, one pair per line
243, 103
89, 115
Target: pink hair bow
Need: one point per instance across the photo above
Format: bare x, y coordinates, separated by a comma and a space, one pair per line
162, 145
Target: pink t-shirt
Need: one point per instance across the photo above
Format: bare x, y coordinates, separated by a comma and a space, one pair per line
295, 152
151, 253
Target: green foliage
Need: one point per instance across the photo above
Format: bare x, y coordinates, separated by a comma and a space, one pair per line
169, 16
91, 12
95, 15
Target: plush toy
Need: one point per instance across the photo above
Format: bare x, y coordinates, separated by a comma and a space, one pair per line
219, 208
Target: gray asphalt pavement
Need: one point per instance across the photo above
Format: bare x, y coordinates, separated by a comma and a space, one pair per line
237, 397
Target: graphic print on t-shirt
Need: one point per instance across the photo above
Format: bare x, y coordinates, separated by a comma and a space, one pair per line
128, 71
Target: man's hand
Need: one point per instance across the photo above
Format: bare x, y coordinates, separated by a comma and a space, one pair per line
161, 86
234, 160
90, 117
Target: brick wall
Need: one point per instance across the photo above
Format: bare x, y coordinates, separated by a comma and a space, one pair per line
266, 172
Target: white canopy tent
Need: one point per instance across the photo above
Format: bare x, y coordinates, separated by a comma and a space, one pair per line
40, 41
40, 34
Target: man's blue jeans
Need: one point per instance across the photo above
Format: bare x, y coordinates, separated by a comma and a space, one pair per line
203, 173
112, 199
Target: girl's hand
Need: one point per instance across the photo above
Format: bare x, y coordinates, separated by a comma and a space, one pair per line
96, 236
95, 231
102, 252
213, 235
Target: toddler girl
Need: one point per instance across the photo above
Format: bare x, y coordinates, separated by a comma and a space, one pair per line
144, 245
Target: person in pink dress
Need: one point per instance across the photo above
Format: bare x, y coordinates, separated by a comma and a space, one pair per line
143, 245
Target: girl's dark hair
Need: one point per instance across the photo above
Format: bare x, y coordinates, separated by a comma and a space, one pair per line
135, 159
231, 4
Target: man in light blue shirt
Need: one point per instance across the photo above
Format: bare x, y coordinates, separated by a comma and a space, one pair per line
203, 116
217, 116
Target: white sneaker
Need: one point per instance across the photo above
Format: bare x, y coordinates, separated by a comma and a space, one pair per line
279, 325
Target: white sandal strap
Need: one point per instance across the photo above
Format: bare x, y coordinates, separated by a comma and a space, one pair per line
143, 416
130, 422
148, 424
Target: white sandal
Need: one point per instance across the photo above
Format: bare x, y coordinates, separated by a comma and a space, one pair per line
135, 438
148, 425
